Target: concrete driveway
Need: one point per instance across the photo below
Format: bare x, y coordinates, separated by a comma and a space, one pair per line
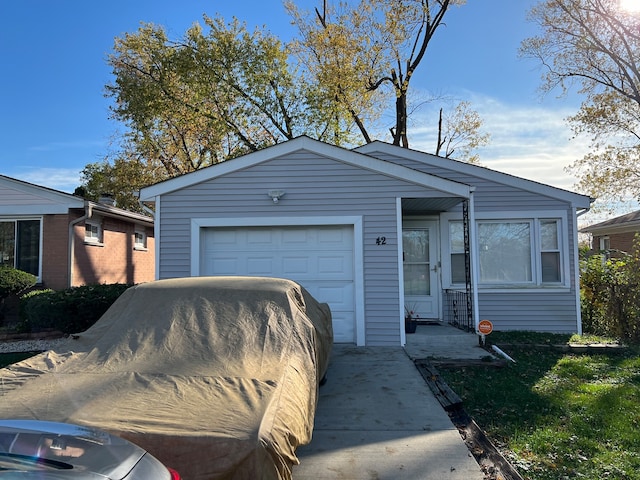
377, 419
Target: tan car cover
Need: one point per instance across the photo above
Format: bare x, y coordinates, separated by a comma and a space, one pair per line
216, 376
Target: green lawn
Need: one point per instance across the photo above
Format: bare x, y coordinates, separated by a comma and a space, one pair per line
557, 415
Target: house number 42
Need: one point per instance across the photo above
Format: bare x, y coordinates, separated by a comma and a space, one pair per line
381, 241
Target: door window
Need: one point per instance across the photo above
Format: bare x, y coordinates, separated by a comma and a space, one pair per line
415, 246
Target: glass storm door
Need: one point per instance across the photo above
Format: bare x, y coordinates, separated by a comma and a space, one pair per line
421, 268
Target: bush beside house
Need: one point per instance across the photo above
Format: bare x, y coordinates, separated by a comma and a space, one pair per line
610, 296
12, 282
69, 311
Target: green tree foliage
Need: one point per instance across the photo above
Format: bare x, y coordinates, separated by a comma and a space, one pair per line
217, 93
610, 296
595, 45
122, 179
365, 54
459, 134
221, 91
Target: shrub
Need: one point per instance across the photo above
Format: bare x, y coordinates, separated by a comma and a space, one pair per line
70, 311
13, 281
610, 296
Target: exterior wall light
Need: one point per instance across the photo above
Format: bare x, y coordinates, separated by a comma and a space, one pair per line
275, 195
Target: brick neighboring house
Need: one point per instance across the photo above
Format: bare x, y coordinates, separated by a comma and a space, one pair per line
67, 241
616, 234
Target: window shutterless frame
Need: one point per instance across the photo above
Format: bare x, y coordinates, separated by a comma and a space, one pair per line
525, 252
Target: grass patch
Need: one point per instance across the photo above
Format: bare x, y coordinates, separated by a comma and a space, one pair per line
558, 415
9, 358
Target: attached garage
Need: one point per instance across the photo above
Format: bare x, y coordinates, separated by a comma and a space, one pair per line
319, 257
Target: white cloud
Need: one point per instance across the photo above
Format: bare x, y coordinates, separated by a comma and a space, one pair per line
532, 142
63, 179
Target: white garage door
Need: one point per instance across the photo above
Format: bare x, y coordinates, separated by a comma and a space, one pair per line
320, 258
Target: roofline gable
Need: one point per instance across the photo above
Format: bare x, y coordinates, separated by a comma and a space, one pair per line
315, 146
56, 196
62, 202
575, 199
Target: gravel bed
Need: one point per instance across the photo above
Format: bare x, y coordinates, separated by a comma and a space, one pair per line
30, 345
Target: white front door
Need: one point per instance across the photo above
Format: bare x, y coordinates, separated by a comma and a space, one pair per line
421, 264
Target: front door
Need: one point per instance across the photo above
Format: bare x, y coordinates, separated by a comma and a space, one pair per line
421, 268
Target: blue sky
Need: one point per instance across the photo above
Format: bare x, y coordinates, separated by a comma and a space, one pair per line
54, 117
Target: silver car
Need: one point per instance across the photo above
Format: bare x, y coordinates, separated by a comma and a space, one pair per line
31, 449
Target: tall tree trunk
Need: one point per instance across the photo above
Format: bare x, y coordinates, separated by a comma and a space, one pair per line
400, 132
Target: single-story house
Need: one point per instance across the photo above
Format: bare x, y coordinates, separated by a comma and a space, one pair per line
378, 231
67, 241
616, 234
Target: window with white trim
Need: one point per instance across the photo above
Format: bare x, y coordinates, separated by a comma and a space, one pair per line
456, 236
140, 239
92, 232
551, 270
514, 252
20, 244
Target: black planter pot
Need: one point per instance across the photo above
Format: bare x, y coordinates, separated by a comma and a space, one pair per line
410, 325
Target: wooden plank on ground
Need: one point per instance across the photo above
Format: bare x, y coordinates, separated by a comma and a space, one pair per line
443, 393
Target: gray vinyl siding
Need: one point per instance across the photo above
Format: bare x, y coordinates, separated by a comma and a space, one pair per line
535, 310
489, 196
319, 186
314, 186
547, 312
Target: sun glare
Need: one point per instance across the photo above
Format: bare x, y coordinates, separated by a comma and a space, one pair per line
630, 5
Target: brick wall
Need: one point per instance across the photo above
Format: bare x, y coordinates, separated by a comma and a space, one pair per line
114, 260
55, 251
623, 242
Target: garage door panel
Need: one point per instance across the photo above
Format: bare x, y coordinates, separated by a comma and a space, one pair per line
297, 236
257, 237
227, 237
259, 266
343, 327
295, 265
334, 265
340, 296
320, 258
221, 266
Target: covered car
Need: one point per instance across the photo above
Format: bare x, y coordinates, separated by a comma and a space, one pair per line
216, 376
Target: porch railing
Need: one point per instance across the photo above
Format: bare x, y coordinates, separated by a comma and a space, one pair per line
458, 309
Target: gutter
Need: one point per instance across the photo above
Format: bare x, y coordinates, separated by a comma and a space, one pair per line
88, 207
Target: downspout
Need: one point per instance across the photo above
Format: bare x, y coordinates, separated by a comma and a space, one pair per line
576, 267
88, 213
473, 248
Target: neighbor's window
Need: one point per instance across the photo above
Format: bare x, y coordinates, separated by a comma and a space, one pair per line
140, 239
20, 245
507, 252
92, 232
